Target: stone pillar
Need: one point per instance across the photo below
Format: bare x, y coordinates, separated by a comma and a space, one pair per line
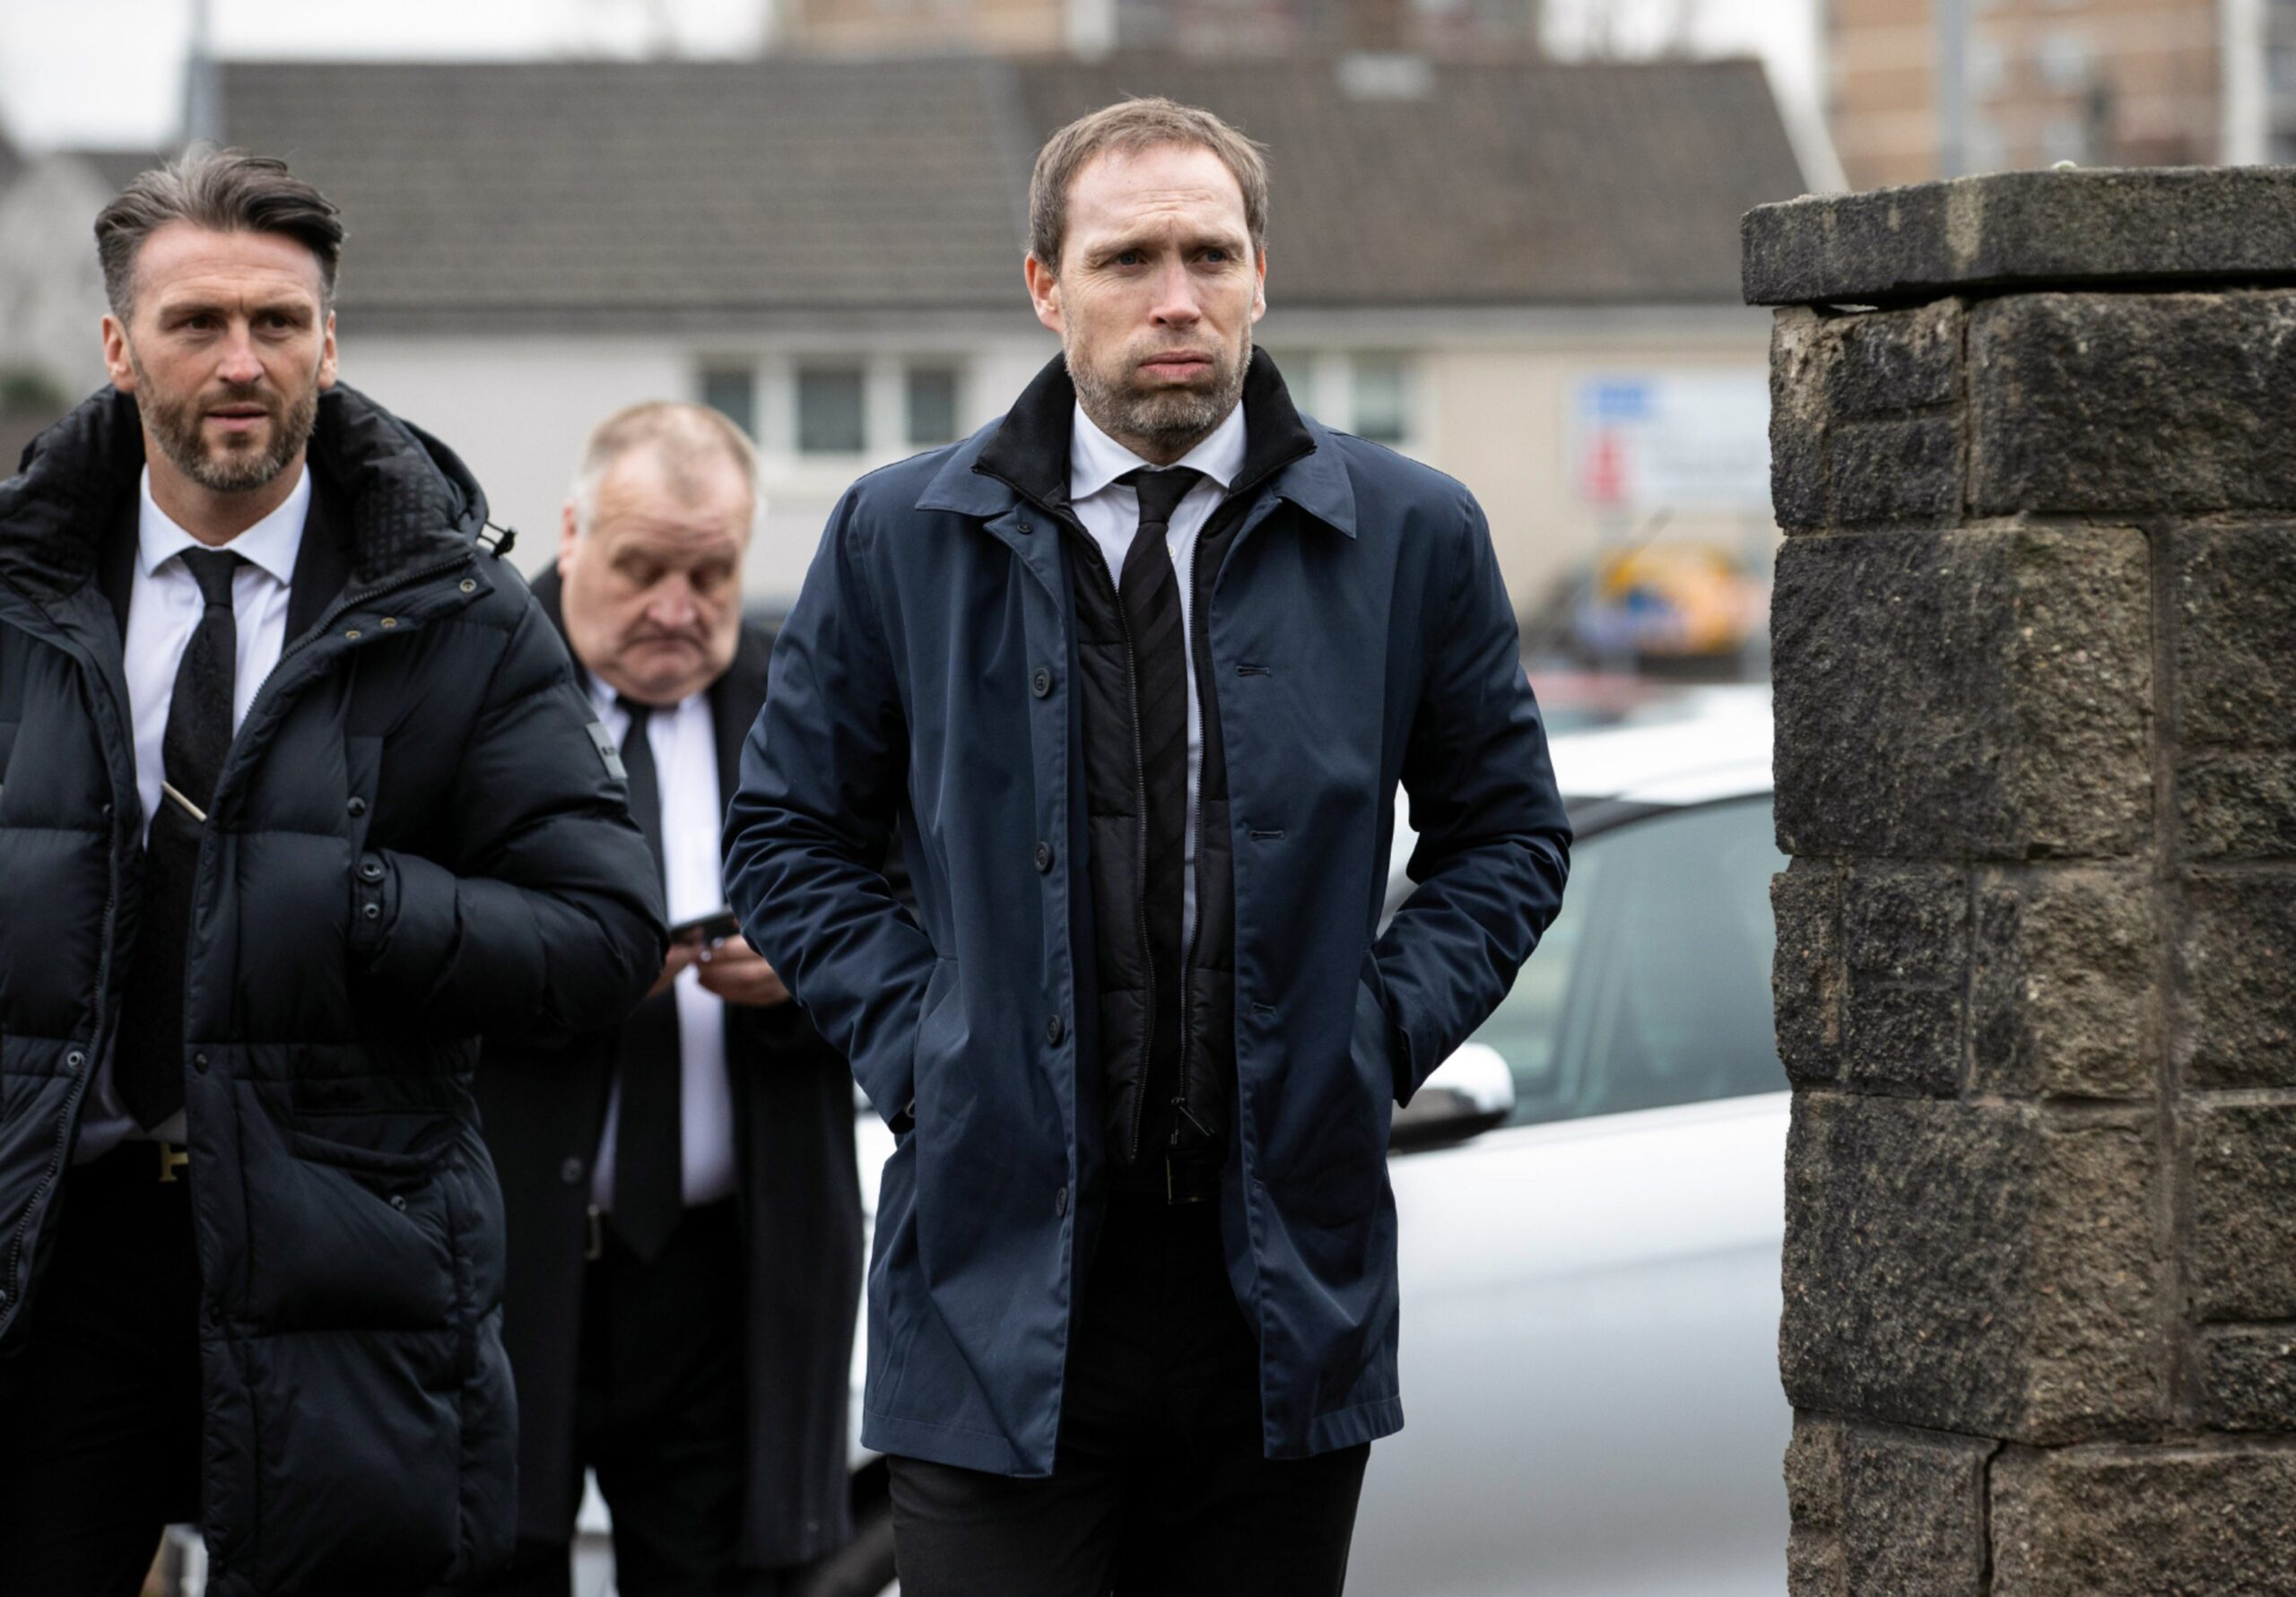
2034, 442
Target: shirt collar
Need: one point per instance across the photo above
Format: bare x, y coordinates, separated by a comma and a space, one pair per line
270, 545
606, 699
1096, 460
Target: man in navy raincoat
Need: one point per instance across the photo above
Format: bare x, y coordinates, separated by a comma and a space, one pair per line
1135, 672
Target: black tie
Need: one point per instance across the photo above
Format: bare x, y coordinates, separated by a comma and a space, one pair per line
148, 1069
650, 1166
1151, 591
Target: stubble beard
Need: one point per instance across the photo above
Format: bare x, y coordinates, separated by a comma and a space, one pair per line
1174, 420
176, 424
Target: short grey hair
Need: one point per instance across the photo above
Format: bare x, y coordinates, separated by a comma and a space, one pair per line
686, 435
224, 191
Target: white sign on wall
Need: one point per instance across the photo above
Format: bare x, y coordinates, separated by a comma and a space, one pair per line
1684, 440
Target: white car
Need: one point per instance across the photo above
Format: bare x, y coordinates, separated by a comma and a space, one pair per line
1591, 1202
1590, 1290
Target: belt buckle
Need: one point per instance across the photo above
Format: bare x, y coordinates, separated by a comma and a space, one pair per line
171, 1159
594, 1248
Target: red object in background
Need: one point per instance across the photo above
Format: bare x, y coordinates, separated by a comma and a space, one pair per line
1605, 479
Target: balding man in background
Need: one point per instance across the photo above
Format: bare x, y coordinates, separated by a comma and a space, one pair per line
685, 1220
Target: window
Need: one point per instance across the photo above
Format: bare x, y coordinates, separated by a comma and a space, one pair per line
1381, 404
732, 392
1652, 987
831, 413
932, 407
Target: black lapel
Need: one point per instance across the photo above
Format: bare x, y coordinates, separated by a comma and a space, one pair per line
323, 561
734, 700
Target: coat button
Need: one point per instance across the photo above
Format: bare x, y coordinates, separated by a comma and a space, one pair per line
73, 1061
357, 806
398, 1202
373, 871
199, 1062
1055, 1028
372, 912
1044, 856
1060, 1202
1040, 682
571, 1172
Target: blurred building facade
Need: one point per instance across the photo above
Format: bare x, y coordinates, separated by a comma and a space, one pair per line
1090, 28
51, 291
2102, 82
1523, 274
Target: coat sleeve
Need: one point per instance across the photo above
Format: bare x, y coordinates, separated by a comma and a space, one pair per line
544, 916
808, 833
1494, 844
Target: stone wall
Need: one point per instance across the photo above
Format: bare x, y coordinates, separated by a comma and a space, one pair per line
2034, 442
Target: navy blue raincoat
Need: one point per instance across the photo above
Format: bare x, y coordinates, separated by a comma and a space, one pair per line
1359, 636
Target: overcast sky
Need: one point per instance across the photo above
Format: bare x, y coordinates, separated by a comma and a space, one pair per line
109, 72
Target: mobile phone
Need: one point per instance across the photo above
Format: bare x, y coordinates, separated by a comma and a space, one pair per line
714, 927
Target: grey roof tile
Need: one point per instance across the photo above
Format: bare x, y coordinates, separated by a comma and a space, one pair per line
618, 192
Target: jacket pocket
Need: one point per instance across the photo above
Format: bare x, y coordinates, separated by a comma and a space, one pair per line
341, 1234
941, 1034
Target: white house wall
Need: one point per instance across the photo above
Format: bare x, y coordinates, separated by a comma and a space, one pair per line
1490, 402
516, 410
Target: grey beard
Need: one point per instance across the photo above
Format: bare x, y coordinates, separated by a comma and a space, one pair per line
177, 427
1173, 417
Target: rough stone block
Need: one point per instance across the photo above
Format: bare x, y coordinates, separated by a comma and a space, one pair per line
1846, 445
2237, 963
1982, 1269
1814, 1567
1904, 469
1885, 363
1982, 694
2235, 639
2062, 984
1813, 1473
2151, 1522
1806, 977
2248, 1378
1884, 1510
1905, 942
2242, 1264
2238, 806
2097, 225
2124, 403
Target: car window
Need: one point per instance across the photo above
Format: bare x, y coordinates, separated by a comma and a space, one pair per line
1652, 986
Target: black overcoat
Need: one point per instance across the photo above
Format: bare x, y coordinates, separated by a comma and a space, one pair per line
415, 839
544, 1107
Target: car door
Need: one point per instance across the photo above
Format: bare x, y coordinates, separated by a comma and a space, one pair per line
1590, 1296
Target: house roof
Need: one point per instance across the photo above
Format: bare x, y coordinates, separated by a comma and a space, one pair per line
623, 193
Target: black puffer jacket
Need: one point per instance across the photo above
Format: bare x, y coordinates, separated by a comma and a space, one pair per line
423, 750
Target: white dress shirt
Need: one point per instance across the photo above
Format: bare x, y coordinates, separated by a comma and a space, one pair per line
684, 738
1110, 513
164, 606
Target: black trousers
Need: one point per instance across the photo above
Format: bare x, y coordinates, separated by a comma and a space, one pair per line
99, 1411
659, 1416
1158, 1488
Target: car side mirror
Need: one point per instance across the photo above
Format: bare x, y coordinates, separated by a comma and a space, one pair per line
1470, 1093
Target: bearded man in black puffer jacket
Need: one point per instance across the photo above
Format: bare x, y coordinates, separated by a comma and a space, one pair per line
298, 798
